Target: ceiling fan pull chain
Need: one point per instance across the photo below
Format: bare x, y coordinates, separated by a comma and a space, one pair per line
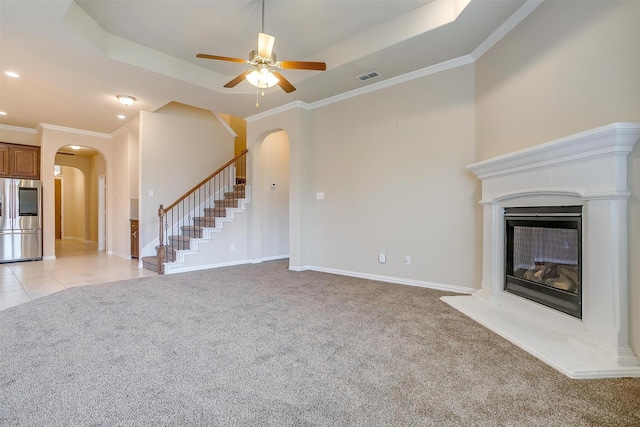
257, 97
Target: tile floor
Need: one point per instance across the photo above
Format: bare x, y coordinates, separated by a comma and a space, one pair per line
76, 264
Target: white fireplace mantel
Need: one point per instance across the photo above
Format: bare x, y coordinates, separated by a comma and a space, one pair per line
587, 169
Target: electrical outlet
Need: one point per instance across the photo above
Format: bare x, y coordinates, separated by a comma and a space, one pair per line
407, 260
382, 258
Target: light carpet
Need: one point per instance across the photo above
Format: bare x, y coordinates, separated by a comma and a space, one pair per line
259, 345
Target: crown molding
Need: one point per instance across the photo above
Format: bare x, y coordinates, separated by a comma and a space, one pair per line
73, 130
443, 66
505, 28
427, 71
18, 129
286, 107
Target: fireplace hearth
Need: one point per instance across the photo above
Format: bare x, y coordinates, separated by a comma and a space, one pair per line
567, 304
543, 256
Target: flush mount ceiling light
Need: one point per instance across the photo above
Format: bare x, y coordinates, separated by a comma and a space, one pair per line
126, 100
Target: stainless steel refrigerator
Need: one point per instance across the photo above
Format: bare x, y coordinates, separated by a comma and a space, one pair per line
20, 219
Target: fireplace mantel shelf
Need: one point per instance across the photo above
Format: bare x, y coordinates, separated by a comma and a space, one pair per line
587, 169
592, 144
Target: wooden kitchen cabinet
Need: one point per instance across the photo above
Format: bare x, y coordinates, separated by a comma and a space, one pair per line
135, 240
19, 161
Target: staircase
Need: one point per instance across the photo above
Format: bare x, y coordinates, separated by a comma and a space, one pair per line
198, 215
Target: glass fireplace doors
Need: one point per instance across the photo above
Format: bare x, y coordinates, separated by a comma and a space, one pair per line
543, 248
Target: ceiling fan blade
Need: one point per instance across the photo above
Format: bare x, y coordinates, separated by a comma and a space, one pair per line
238, 79
265, 45
221, 58
303, 65
284, 83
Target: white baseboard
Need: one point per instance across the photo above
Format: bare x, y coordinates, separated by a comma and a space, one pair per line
389, 279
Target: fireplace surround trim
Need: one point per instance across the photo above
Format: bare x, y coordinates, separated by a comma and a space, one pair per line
588, 169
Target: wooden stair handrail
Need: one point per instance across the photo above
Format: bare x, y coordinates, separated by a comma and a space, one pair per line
204, 181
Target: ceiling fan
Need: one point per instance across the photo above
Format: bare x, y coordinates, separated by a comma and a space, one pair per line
263, 61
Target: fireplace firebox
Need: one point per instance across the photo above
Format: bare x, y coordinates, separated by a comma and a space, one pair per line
543, 249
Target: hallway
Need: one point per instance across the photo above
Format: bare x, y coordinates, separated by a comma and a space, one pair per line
76, 264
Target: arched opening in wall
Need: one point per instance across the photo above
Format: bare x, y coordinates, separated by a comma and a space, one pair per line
77, 193
274, 159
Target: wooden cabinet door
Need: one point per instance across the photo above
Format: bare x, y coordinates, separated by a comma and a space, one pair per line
19, 161
4, 161
26, 162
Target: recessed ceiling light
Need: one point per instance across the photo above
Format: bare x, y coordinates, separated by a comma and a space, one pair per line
120, 116
12, 74
2, 113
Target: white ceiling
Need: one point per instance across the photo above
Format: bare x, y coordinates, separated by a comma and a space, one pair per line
74, 57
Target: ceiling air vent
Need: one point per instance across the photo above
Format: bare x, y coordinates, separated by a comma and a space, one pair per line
368, 76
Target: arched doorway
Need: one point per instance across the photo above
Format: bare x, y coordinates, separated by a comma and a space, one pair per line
78, 170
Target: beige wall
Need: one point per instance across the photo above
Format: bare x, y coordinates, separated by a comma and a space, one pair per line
125, 171
74, 204
274, 208
569, 67
179, 147
391, 165
98, 168
16, 135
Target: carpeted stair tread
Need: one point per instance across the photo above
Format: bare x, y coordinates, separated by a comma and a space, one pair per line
235, 194
205, 221
228, 203
219, 211
192, 231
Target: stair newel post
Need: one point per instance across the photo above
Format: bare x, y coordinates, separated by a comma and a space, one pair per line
161, 247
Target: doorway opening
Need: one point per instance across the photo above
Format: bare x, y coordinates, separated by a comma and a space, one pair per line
79, 171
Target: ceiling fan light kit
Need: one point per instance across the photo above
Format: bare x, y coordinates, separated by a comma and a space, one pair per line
263, 78
263, 60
